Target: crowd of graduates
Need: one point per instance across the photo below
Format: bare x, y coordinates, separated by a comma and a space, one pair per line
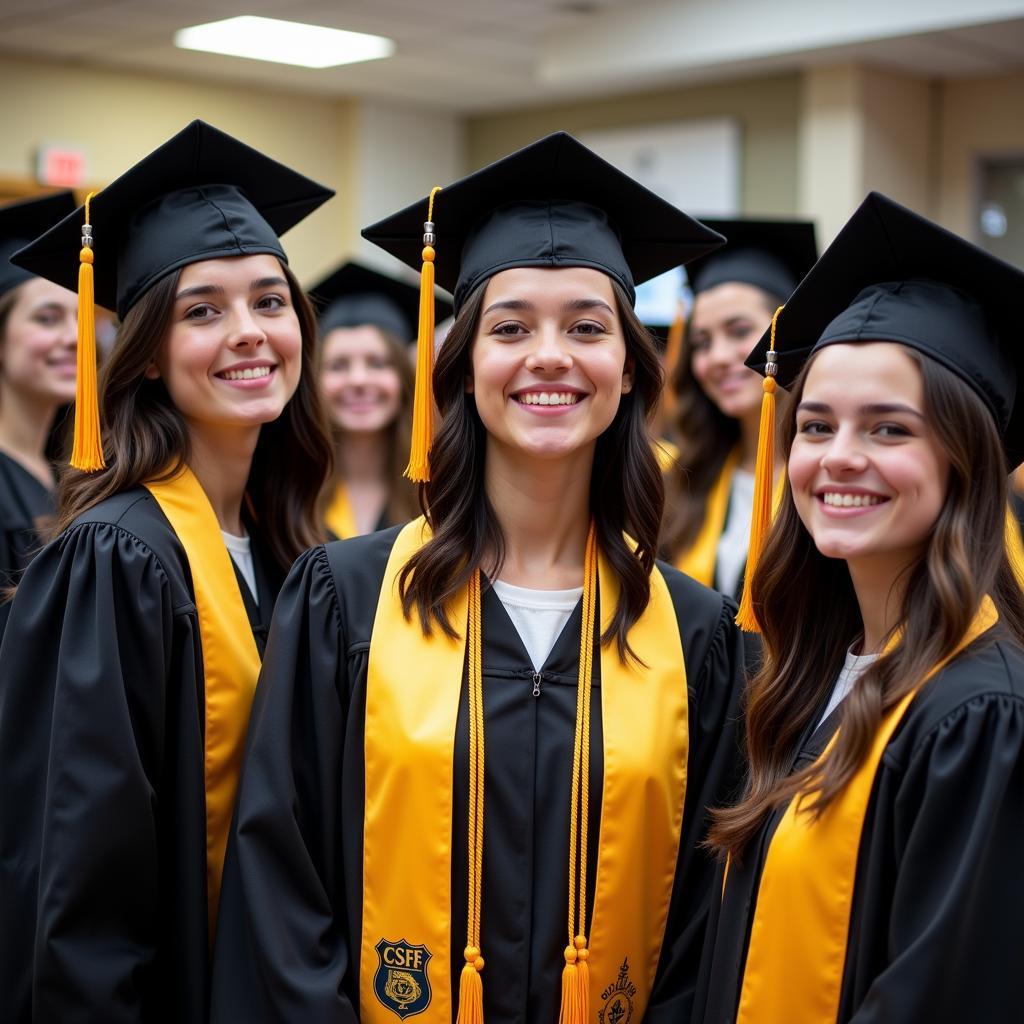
465, 651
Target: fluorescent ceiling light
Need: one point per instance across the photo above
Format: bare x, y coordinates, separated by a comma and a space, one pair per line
284, 42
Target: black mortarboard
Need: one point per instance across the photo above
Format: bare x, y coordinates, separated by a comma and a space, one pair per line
770, 254
354, 295
554, 203
201, 195
22, 221
893, 275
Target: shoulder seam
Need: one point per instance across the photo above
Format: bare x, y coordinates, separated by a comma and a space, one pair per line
127, 533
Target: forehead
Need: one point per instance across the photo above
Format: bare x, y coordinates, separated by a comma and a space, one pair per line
230, 269
366, 340
865, 372
37, 291
549, 285
727, 300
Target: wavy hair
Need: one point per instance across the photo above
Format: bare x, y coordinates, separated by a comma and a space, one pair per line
145, 437
626, 491
806, 637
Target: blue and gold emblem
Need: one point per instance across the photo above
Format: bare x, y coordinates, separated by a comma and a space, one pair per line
617, 999
401, 982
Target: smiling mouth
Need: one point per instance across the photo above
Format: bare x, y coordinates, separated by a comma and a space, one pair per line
250, 373
837, 500
548, 398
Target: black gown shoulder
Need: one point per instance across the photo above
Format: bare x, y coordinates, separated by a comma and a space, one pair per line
102, 826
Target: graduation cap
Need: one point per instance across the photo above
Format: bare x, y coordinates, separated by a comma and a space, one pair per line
22, 221
769, 254
201, 195
893, 275
553, 204
354, 296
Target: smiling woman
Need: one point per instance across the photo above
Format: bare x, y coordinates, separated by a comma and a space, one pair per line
483, 744
135, 637
874, 857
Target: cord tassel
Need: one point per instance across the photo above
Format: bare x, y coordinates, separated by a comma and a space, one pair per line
418, 469
764, 487
471, 989
87, 452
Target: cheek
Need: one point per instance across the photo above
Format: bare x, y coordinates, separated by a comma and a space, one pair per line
802, 466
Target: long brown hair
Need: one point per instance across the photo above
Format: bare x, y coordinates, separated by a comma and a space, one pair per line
705, 436
402, 504
626, 492
145, 436
806, 636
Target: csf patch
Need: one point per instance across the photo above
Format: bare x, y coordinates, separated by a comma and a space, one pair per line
401, 981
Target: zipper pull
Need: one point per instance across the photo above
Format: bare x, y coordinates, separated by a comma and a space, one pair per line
536, 683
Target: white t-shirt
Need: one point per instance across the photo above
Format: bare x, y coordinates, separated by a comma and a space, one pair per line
240, 550
853, 668
731, 556
538, 615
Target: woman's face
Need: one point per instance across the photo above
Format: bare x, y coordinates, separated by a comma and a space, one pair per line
549, 364
725, 324
867, 472
233, 352
38, 351
360, 385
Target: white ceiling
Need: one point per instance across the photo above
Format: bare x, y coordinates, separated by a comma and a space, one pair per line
466, 55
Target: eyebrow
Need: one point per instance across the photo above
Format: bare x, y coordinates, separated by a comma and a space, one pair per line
572, 306
872, 409
216, 289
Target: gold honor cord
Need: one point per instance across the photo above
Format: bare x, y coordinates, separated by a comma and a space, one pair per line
471, 991
575, 1008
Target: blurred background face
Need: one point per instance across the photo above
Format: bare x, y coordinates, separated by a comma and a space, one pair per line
37, 351
361, 387
726, 323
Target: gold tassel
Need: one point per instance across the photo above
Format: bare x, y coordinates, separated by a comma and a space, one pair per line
761, 517
570, 1010
418, 469
87, 453
471, 989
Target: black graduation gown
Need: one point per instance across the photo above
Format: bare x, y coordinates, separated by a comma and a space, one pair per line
938, 904
102, 821
23, 501
290, 915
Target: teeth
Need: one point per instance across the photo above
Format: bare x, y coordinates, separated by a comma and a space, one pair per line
549, 398
248, 374
851, 500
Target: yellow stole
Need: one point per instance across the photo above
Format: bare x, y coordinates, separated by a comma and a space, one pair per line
231, 662
1014, 545
699, 559
797, 953
414, 687
340, 518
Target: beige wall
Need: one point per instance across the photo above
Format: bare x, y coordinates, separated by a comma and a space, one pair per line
768, 110
980, 117
118, 118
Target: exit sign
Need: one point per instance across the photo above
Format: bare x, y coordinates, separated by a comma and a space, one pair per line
62, 166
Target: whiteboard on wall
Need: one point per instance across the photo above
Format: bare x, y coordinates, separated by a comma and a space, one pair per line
694, 165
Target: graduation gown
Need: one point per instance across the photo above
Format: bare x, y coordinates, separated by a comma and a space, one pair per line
23, 501
935, 930
289, 930
102, 824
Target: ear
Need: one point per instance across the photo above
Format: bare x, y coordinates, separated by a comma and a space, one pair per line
469, 383
627, 375
152, 371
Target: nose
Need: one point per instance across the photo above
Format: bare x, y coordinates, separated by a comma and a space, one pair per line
844, 454
549, 352
244, 331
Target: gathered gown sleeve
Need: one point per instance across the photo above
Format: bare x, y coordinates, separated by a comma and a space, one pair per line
953, 929
281, 951
83, 672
